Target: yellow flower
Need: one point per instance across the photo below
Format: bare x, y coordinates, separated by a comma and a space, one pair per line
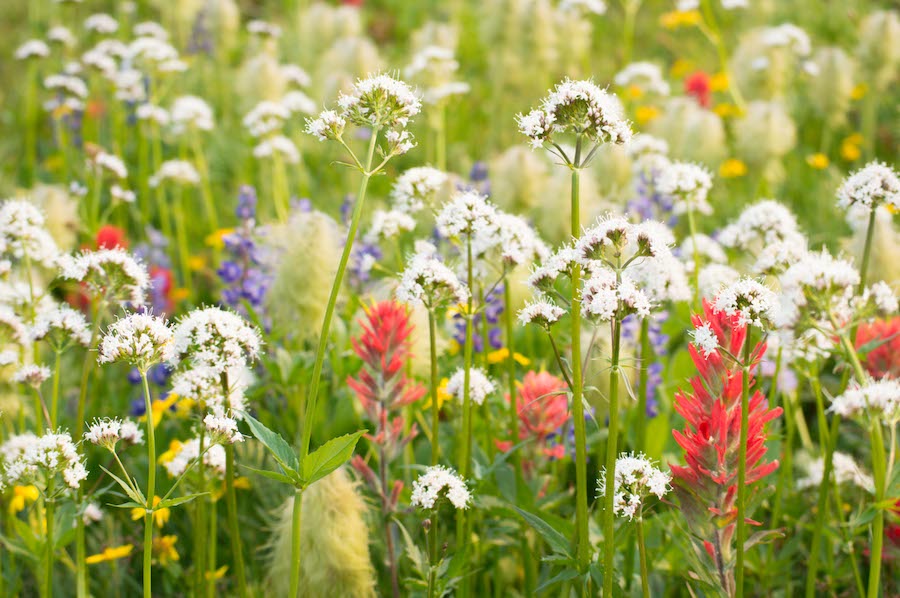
850, 150
860, 91
442, 395
218, 573
110, 554
680, 68
196, 262
160, 516
732, 168
501, 355
179, 294
160, 406
241, 483
645, 114
216, 240
726, 110
680, 18
185, 407
634, 92
21, 495
718, 82
167, 456
164, 549
818, 161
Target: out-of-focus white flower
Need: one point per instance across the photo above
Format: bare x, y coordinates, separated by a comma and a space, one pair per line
467, 213
24, 235
68, 84
295, 75
101, 23
788, 36
92, 513
266, 117
416, 188
191, 112
297, 102
264, 29
61, 35
879, 400
33, 48
61, 326
150, 29
153, 113
387, 224
542, 312
688, 184
428, 487
28, 459
106, 162
845, 471
180, 172
713, 277
480, 386
645, 76
111, 273
213, 458
277, 145
31, 375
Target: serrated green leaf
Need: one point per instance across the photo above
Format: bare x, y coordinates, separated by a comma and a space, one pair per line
277, 446
274, 475
556, 540
329, 457
180, 500
128, 505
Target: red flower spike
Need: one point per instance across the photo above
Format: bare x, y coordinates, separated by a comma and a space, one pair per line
699, 86
110, 237
707, 487
882, 360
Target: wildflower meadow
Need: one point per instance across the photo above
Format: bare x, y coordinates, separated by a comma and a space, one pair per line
476, 298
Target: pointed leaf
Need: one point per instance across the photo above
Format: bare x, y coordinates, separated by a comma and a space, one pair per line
133, 492
329, 457
277, 446
556, 540
179, 500
274, 475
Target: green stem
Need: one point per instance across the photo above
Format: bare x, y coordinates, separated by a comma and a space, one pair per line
642, 550
643, 383
631, 9
826, 441
867, 253
466, 445
435, 407
54, 400
612, 449
233, 527
211, 553
151, 487
583, 546
296, 517
511, 373
200, 541
879, 472
50, 513
742, 467
206, 188
280, 188
695, 275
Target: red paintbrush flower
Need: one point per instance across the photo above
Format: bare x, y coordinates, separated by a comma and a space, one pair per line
542, 405
707, 487
884, 359
699, 86
110, 237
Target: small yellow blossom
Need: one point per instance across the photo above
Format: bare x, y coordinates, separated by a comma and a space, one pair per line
179, 294
726, 110
164, 549
196, 263
241, 483
732, 168
718, 82
850, 147
859, 91
21, 495
645, 114
160, 406
634, 92
818, 161
442, 395
185, 407
111, 553
218, 573
501, 355
680, 18
167, 456
216, 240
160, 516
680, 68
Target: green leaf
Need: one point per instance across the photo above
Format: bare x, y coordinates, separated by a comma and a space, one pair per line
180, 500
132, 491
280, 450
128, 505
329, 457
556, 540
564, 575
274, 475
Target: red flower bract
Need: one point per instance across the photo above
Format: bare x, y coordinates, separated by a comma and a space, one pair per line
707, 487
698, 85
110, 237
883, 339
541, 404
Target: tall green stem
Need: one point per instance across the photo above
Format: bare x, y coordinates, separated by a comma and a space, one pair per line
583, 547
695, 275
465, 452
742, 467
308, 409
646, 357
50, 513
612, 450
151, 487
234, 529
511, 373
642, 550
200, 542
879, 473
296, 517
826, 441
867, 253
54, 398
435, 406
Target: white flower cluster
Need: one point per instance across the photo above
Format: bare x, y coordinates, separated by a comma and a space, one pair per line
60, 326
112, 273
156, 55
764, 222
878, 400
517, 242
150, 29
579, 107
264, 28
31, 375
295, 75
845, 470
817, 281
542, 312
557, 264
753, 303
688, 184
277, 145
216, 339
101, 23
427, 489
387, 224
707, 248
204, 385
467, 213
153, 113
435, 67
265, 118
23, 233
328, 125
705, 339
180, 172
428, 281
33, 48
139, 339
12, 329
26, 458
191, 113
874, 185
213, 459
646, 76
787, 35
635, 479
222, 429
110, 163
108, 432
297, 102
60, 35
605, 298
480, 386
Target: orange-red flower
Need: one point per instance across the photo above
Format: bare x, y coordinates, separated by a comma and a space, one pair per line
699, 85
882, 338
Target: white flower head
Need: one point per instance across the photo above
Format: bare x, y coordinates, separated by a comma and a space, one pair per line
107, 433
222, 429
688, 184
874, 185
139, 339
213, 458
31, 375
216, 339
61, 326
265, 118
437, 482
33, 48
328, 125
605, 298
380, 101
92, 513
705, 339
480, 386
645, 76
277, 145
467, 213
24, 234
753, 303
761, 224
111, 273
178, 172
542, 312
191, 112
428, 281
846, 471
29, 459
878, 400
635, 479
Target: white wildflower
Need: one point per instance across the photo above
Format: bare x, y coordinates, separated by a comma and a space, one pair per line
480, 386
635, 479
874, 185
427, 489
139, 339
